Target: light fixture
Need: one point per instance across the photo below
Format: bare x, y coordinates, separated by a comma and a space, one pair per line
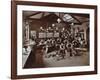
58, 20
72, 24
53, 25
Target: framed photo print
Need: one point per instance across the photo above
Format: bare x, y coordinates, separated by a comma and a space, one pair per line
53, 39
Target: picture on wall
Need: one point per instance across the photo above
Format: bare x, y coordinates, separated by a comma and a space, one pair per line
53, 39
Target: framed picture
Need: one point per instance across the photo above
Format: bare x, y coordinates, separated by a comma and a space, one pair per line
53, 39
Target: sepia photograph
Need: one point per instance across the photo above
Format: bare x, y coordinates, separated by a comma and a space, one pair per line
55, 39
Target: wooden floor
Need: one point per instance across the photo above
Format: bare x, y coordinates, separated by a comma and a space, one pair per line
82, 60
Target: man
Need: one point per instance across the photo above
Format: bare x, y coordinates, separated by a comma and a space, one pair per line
62, 50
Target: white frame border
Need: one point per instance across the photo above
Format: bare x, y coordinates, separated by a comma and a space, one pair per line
21, 71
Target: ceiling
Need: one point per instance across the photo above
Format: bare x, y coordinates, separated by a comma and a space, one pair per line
53, 16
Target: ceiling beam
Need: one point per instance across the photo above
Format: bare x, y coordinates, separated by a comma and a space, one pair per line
42, 15
75, 18
33, 14
81, 15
